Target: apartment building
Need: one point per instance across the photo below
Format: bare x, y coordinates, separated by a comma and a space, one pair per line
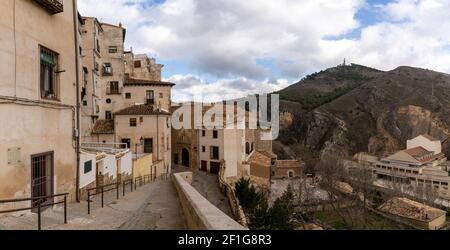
146, 130
421, 166
122, 86
91, 59
38, 97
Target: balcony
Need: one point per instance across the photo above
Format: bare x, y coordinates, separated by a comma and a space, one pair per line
114, 90
52, 6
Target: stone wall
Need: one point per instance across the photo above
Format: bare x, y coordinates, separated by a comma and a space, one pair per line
199, 213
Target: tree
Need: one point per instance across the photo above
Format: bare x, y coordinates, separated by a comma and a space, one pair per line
282, 211
249, 198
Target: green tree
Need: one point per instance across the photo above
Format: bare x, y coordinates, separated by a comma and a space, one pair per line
282, 211
248, 196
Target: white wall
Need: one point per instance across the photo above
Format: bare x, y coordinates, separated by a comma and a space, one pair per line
233, 151
126, 164
420, 141
110, 166
88, 178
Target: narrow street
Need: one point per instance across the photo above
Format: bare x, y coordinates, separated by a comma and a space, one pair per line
154, 206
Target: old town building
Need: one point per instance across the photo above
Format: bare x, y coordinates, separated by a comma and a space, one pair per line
38, 95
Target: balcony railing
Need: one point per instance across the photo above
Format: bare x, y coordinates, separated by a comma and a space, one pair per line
52, 6
114, 91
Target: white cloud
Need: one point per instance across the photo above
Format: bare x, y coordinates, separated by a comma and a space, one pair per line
225, 38
190, 87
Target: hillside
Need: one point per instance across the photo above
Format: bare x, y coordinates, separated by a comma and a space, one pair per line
350, 109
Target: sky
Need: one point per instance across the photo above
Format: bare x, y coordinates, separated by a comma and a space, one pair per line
224, 49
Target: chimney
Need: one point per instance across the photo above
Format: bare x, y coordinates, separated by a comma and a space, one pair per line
120, 24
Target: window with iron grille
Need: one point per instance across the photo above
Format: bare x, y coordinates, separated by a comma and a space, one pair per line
48, 74
137, 64
112, 49
133, 122
150, 97
108, 115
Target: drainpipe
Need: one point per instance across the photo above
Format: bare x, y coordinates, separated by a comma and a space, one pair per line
77, 129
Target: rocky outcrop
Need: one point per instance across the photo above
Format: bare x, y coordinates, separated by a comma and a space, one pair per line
378, 116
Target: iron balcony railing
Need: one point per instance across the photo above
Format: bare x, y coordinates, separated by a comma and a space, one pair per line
114, 90
105, 147
52, 6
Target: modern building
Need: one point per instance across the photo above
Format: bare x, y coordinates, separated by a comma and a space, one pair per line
420, 168
38, 98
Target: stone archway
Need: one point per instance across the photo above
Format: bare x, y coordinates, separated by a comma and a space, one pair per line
185, 158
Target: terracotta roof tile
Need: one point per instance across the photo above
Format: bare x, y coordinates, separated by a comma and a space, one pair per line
142, 82
260, 159
411, 209
289, 164
141, 110
103, 127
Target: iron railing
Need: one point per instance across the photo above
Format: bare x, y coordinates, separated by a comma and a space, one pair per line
101, 190
38, 206
52, 6
125, 183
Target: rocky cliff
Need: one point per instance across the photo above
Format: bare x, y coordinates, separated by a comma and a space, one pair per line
350, 109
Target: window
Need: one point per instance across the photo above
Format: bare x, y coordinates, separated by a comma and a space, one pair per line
108, 115
87, 167
148, 146
141, 119
150, 97
133, 122
137, 64
127, 95
215, 134
107, 69
214, 153
98, 45
48, 74
161, 95
114, 88
112, 49
126, 142
203, 133
203, 149
84, 103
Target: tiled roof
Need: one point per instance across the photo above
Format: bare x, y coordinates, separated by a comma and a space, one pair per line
418, 152
288, 164
141, 110
141, 82
260, 158
410, 209
103, 127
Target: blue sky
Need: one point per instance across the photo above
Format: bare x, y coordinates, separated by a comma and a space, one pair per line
228, 48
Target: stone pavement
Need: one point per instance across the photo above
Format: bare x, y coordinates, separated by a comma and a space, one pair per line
208, 185
153, 206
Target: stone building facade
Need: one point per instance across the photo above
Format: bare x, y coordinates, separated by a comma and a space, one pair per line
38, 72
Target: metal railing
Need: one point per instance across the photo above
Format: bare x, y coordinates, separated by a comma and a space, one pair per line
105, 147
101, 190
38, 207
114, 90
125, 183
